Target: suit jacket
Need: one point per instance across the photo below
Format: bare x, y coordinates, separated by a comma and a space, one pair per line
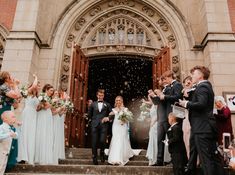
161, 106
175, 140
201, 109
96, 115
174, 95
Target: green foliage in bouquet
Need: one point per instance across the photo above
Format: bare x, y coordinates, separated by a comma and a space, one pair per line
126, 116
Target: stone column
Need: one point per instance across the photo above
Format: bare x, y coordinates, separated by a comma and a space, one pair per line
219, 45
22, 44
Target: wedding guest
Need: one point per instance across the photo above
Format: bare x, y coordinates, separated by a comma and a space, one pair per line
162, 123
8, 91
56, 109
187, 84
223, 119
44, 131
203, 126
176, 145
152, 144
27, 137
6, 136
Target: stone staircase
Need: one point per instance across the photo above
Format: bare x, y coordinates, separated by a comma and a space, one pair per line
78, 161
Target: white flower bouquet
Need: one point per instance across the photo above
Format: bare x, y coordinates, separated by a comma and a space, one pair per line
69, 105
24, 91
125, 116
44, 98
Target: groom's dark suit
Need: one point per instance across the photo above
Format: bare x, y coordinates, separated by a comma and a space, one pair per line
99, 129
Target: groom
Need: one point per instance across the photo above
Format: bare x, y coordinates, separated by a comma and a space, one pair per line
98, 112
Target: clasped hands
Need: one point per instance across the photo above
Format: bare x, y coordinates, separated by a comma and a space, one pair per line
156, 92
106, 119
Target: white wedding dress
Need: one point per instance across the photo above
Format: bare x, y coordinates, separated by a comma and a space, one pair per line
120, 149
152, 145
27, 137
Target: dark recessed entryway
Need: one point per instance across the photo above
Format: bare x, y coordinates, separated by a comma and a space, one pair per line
128, 76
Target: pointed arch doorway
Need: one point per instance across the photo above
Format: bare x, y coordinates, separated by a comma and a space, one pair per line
127, 75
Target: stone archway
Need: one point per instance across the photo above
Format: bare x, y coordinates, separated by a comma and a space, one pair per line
120, 27
161, 24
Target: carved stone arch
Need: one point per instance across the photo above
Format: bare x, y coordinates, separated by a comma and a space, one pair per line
177, 33
3, 35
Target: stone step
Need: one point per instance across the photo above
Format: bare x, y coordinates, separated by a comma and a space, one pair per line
89, 162
90, 169
85, 151
137, 158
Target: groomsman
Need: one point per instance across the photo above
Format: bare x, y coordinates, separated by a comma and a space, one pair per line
98, 112
175, 90
202, 121
162, 125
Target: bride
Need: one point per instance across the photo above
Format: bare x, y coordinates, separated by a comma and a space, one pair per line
120, 149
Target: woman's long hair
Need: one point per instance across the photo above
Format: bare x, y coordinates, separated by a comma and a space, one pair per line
3, 76
47, 87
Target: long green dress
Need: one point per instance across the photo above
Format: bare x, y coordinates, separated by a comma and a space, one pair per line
6, 103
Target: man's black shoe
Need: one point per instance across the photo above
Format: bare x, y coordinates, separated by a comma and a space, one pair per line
102, 158
158, 164
95, 162
188, 171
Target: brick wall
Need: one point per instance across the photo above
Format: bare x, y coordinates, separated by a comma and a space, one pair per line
231, 7
7, 12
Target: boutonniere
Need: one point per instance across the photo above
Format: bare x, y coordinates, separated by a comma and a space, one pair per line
171, 85
105, 105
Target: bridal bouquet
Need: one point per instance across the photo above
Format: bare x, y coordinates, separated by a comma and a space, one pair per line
56, 103
125, 116
24, 91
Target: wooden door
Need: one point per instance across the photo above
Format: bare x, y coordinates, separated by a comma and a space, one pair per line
161, 63
75, 122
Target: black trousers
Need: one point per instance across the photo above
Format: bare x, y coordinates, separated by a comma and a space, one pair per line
179, 161
162, 128
192, 161
205, 145
99, 132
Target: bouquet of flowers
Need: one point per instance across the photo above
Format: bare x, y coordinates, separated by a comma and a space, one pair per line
69, 105
56, 103
125, 116
44, 98
24, 91
144, 111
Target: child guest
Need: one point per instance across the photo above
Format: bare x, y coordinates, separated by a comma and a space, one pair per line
6, 135
176, 145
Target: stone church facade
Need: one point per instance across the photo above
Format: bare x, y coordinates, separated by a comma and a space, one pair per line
38, 36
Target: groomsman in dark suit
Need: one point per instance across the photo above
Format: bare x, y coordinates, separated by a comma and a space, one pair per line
175, 90
176, 145
202, 121
98, 112
162, 125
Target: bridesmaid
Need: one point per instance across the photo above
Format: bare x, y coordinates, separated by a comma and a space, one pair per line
28, 130
9, 93
44, 131
56, 109
152, 145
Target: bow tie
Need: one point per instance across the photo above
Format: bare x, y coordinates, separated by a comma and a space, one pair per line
100, 101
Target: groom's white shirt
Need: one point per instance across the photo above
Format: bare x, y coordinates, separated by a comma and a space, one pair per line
100, 106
